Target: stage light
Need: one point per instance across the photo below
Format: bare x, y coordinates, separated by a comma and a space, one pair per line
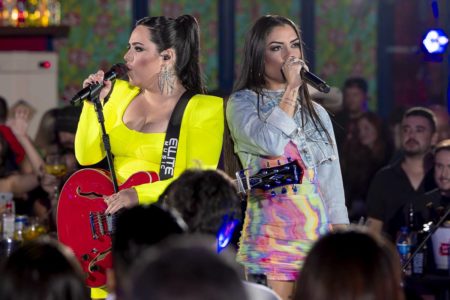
435, 41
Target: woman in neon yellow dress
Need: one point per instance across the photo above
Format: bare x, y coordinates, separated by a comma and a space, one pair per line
163, 63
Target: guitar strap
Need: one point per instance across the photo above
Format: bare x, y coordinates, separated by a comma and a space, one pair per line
169, 153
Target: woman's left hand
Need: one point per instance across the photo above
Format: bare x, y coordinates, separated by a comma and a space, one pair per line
122, 199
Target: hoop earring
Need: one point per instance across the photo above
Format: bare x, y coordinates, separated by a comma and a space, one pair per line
166, 80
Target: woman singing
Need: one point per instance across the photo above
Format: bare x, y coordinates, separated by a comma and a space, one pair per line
273, 121
163, 63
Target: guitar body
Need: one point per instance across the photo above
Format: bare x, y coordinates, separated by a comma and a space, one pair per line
82, 224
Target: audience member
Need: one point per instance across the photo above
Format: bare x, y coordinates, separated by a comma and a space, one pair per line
66, 126
371, 134
400, 185
14, 158
208, 202
137, 229
14, 182
440, 204
185, 270
203, 198
355, 104
46, 139
56, 143
350, 264
362, 156
42, 269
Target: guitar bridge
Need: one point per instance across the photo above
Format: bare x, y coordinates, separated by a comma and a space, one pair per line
101, 224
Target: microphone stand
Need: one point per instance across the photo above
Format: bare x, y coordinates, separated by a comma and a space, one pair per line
427, 237
95, 99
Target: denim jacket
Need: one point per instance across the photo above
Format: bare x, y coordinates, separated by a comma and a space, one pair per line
268, 132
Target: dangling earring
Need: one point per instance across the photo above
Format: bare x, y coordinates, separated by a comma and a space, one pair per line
166, 80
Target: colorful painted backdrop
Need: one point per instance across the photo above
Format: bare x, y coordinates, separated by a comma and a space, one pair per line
206, 12
247, 11
98, 38
346, 41
345, 36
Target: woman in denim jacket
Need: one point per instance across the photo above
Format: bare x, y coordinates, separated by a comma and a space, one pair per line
272, 121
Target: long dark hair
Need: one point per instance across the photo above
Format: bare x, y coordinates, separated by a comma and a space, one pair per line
380, 149
181, 34
252, 72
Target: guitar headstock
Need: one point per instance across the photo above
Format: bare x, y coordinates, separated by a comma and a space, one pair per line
269, 178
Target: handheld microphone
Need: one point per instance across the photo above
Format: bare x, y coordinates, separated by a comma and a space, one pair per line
315, 81
117, 71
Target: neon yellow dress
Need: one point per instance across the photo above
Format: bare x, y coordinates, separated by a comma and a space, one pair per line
200, 140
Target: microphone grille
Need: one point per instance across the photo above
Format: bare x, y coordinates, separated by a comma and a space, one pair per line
120, 70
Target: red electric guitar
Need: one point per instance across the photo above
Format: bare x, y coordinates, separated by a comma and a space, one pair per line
83, 226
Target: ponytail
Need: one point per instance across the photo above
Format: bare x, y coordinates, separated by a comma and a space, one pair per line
181, 34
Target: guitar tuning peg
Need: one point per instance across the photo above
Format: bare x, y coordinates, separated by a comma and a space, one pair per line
279, 163
294, 188
273, 193
267, 164
284, 190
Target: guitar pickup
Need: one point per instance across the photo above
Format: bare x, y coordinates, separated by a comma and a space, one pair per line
92, 223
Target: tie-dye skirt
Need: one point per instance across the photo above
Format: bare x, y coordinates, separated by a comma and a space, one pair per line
279, 230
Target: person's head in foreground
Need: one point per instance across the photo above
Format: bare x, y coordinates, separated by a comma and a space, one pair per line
184, 269
42, 269
351, 265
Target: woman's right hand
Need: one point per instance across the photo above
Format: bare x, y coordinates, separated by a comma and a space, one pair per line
97, 78
291, 69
